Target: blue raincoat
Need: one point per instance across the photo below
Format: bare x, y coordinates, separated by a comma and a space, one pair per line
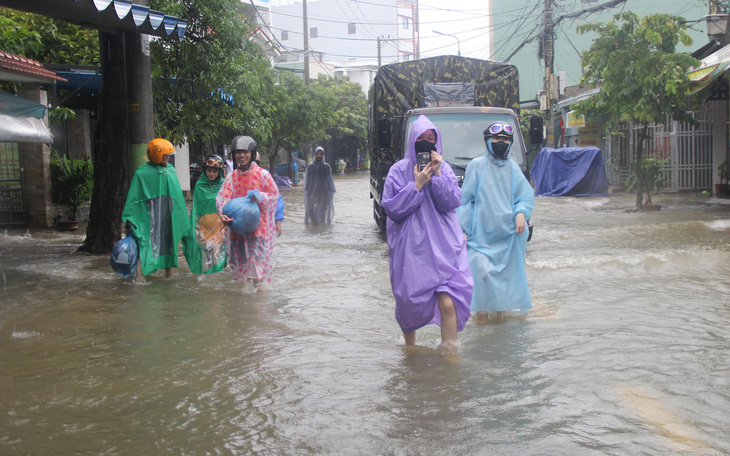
493, 193
427, 250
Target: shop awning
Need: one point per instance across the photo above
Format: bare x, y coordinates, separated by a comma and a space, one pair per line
21, 120
106, 15
713, 66
24, 129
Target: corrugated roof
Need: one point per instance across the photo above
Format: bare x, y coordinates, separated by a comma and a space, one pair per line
109, 15
22, 69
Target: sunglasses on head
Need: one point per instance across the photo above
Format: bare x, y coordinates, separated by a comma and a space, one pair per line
212, 162
500, 128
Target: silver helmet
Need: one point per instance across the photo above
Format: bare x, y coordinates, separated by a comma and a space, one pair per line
243, 143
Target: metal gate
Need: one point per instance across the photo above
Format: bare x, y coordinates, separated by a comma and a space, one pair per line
684, 150
11, 187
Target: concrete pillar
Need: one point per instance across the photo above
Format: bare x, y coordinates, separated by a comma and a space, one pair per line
139, 96
35, 166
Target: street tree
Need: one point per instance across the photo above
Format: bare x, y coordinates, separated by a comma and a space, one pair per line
47, 40
641, 75
302, 115
348, 130
214, 83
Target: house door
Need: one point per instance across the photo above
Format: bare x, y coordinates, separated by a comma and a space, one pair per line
11, 187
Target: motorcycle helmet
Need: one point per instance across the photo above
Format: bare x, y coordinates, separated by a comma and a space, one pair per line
214, 161
242, 143
158, 148
125, 256
501, 129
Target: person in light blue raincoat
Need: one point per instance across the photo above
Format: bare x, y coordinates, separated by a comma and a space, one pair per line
496, 202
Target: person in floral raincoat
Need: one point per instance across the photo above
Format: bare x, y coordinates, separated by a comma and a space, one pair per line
249, 256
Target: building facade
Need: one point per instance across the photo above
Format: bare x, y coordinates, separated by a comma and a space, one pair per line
518, 30
344, 38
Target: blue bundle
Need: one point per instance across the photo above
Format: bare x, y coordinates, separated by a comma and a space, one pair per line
125, 256
244, 212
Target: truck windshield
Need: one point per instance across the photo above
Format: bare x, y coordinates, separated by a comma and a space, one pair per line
462, 138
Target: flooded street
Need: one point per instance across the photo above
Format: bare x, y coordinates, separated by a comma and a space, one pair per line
626, 351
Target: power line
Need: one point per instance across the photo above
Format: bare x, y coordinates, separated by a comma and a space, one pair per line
523, 18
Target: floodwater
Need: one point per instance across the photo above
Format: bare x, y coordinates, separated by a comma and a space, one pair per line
626, 352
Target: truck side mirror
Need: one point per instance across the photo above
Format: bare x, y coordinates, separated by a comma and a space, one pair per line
536, 125
384, 133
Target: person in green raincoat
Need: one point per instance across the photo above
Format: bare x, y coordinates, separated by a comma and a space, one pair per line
155, 210
204, 247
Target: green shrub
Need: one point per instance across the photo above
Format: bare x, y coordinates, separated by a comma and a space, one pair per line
73, 182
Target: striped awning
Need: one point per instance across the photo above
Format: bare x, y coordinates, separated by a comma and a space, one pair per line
712, 67
106, 15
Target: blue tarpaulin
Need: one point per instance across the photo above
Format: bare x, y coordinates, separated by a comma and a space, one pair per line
570, 171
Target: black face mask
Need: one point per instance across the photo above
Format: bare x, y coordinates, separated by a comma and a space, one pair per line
425, 146
500, 149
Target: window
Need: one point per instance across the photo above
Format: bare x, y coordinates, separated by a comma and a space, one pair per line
351, 28
313, 32
406, 23
284, 35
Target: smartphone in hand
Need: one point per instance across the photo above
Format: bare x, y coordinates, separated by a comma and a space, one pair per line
423, 153
423, 159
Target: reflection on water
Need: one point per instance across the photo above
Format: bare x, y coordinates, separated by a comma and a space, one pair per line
625, 351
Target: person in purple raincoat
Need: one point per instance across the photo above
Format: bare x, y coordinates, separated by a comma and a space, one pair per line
429, 269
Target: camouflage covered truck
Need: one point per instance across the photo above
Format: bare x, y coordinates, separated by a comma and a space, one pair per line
460, 95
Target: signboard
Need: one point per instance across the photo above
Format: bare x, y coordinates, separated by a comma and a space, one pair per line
575, 120
590, 135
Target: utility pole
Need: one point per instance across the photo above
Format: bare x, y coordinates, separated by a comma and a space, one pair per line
381, 43
379, 59
547, 55
306, 43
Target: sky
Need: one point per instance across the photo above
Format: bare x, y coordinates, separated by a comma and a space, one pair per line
465, 19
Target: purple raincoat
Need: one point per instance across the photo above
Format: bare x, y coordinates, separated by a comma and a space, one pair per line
427, 249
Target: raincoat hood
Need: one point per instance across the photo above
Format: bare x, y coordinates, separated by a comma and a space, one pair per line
204, 247
422, 124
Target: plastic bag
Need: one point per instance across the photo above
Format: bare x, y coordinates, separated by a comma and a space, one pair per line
244, 212
125, 256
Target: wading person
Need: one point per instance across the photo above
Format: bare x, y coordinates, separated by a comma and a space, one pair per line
319, 190
205, 248
429, 272
496, 202
249, 256
155, 210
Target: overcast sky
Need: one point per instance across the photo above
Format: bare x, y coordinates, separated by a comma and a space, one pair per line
465, 19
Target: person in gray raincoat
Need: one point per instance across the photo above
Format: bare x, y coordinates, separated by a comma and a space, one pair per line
319, 191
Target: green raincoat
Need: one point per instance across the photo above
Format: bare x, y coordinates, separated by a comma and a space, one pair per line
156, 210
204, 247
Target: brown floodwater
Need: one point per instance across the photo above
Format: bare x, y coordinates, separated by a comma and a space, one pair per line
626, 351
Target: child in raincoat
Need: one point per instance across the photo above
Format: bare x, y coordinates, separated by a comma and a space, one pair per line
205, 248
249, 256
155, 210
429, 271
496, 202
